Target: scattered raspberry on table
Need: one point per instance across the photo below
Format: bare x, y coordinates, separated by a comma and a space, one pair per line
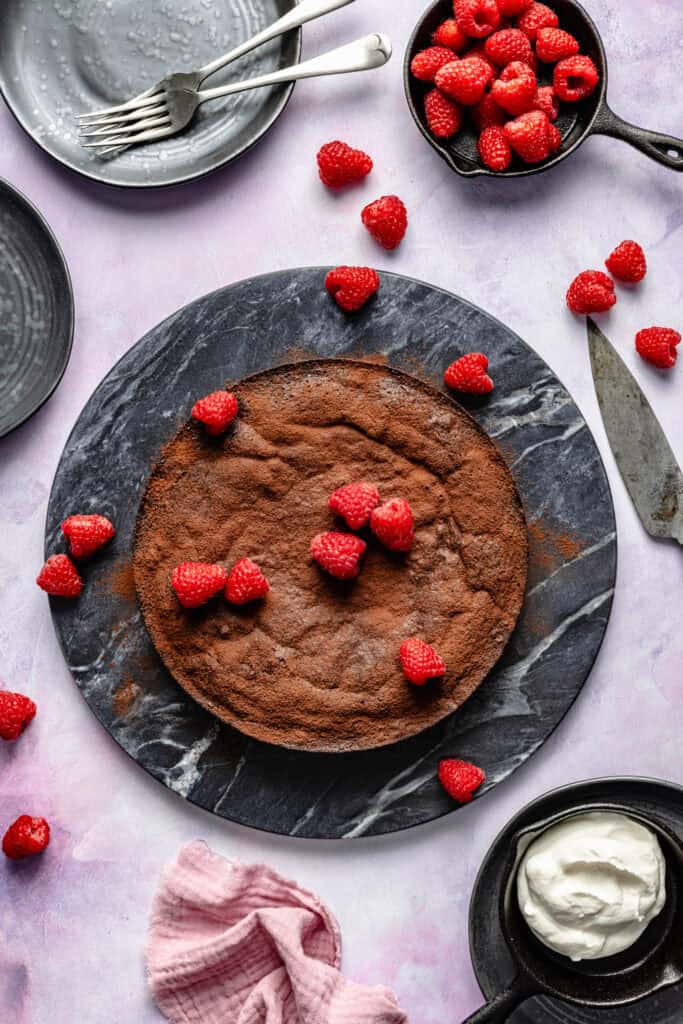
591, 292
339, 164
216, 411
460, 779
246, 583
195, 583
26, 837
387, 221
393, 525
627, 263
354, 502
87, 534
339, 554
16, 711
351, 287
658, 345
59, 577
420, 662
468, 374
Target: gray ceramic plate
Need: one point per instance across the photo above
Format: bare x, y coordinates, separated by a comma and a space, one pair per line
36, 310
59, 58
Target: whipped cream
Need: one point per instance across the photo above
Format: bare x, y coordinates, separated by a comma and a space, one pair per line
589, 886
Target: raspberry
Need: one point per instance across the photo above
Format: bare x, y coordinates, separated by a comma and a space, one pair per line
425, 64
627, 263
547, 101
392, 524
195, 583
507, 45
515, 89
444, 116
469, 374
451, 35
494, 148
340, 164
87, 534
536, 17
488, 113
478, 49
575, 78
387, 221
511, 8
530, 137
351, 287
658, 346
460, 779
553, 44
420, 662
216, 411
591, 292
16, 711
338, 553
465, 80
354, 503
477, 18
554, 138
25, 837
246, 583
59, 577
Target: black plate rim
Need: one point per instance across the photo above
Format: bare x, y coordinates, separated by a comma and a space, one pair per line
557, 795
286, 94
323, 270
60, 259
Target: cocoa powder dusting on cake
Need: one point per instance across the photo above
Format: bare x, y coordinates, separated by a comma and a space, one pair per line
315, 666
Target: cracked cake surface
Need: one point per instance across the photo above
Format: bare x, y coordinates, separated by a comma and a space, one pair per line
316, 665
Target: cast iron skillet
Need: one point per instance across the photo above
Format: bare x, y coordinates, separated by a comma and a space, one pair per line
654, 962
576, 121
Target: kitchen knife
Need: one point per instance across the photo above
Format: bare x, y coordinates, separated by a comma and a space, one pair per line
646, 462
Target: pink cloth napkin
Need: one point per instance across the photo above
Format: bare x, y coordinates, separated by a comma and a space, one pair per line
235, 943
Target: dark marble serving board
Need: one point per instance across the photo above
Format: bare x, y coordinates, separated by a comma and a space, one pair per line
556, 464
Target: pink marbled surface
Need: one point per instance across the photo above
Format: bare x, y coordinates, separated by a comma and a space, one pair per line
72, 923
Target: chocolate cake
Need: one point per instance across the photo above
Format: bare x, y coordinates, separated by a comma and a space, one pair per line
315, 665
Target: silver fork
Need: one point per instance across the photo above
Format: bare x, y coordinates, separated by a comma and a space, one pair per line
304, 11
150, 119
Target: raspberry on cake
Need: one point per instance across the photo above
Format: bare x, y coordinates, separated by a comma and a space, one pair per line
339, 554
59, 577
339, 164
246, 583
420, 662
87, 534
195, 583
354, 503
393, 525
216, 411
315, 666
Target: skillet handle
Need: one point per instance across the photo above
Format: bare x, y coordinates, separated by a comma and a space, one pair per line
500, 1008
665, 149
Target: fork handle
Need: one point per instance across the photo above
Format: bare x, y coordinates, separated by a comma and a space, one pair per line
369, 52
306, 10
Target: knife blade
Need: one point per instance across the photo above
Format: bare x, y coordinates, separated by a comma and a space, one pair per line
646, 462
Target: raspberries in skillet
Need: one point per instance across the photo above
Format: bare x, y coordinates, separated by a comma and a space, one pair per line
517, 41
339, 164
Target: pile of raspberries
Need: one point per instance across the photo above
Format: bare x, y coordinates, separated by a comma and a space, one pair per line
486, 61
